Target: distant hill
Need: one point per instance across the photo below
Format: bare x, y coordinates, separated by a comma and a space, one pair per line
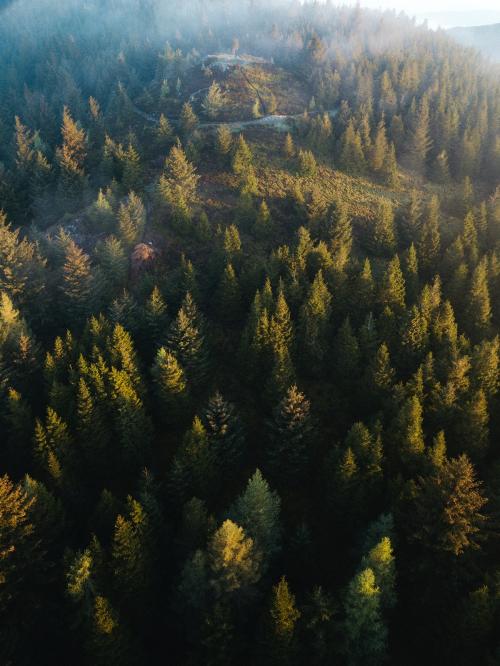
486, 38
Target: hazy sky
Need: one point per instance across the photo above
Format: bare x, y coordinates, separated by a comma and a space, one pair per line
451, 12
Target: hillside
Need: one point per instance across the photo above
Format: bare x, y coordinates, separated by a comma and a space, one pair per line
249, 337
485, 38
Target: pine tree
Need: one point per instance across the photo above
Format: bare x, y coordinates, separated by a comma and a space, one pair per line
164, 132
257, 510
23, 570
307, 163
76, 285
224, 142
478, 303
389, 170
288, 147
263, 224
364, 630
234, 563
445, 514
420, 141
314, 323
290, 435
132, 169
188, 120
380, 560
177, 185
229, 296
170, 384
380, 148
284, 616
429, 241
186, 340
384, 239
132, 556
155, 318
340, 238
392, 289
225, 434
352, 158
71, 155
214, 102
131, 220
408, 432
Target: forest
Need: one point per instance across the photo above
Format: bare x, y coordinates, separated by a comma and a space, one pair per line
249, 337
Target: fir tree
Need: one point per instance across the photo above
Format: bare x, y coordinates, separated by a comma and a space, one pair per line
214, 102
257, 510
131, 220
364, 630
290, 437
284, 617
170, 384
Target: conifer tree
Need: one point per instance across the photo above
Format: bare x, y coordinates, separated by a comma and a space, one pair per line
131, 220
284, 617
420, 140
288, 147
186, 340
429, 241
478, 305
22, 568
224, 142
392, 289
352, 158
445, 515
132, 556
364, 630
71, 155
155, 318
214, 101
177, 185
314, 323
170, 384
380, 148
229, 296
384, 239
263, 224
380, 560
132, 169
225, 434
188, 120
290, 435
257, 510
408, 430
76, 286
234, 563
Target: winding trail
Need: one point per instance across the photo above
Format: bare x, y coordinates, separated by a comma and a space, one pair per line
281, 123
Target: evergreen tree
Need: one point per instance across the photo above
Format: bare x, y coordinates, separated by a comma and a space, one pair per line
314, 323
225, 434
352, 158
170, 384
290, 437
384, 239
284, 617
392, 290
71, 155
76, 286
186, 340
257, 510
214, 101
131, 220
429, 240
177, 185
364, 631
234, 563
